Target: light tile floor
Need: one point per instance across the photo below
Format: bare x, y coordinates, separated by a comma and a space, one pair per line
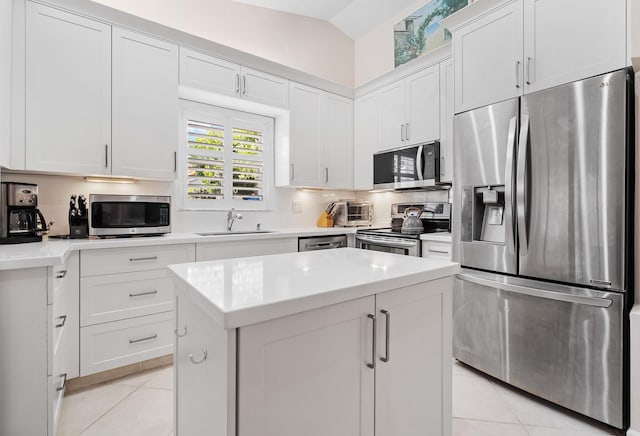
142, 405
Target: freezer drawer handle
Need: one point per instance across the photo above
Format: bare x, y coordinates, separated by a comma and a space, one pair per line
569, 298
387, 328
372, 365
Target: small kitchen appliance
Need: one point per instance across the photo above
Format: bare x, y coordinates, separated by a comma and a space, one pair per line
129, 215
435, 217
20, 219
352, 213
413, 167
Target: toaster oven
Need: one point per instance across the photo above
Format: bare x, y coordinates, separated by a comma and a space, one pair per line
353, 213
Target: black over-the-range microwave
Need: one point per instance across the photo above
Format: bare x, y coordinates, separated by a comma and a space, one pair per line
416, 166
129, 215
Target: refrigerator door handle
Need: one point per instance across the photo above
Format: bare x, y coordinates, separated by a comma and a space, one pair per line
534, 292
521, 185
508, 187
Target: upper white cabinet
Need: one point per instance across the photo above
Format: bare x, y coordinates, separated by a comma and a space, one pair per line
571, 40
487, 55
525, 46
68, 92
446, 121
215, 75
365, 140
410, 110
145, 106
320, 149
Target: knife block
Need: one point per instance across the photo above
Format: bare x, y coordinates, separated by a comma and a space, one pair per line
324, 220
79, 232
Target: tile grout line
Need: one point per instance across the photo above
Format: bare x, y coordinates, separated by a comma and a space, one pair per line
112, 407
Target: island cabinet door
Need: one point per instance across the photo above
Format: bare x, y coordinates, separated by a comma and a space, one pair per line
413, 368
307, 374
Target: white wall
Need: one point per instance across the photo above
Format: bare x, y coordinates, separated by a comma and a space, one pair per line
5, 80
313, 46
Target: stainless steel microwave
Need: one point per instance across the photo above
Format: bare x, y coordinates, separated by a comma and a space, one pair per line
129, 215
417, 166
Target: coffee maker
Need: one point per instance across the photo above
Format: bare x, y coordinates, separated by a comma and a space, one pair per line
20, 219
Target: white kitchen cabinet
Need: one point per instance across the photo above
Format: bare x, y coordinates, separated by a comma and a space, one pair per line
436, 249
365, 140
413, 371
410, 110
488, 58
447, 112
319, 356
572, 40
232, 249
68, 92
208, 73
320, 147
145, 106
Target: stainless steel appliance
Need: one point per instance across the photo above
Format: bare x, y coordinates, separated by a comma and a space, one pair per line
314, 243
435, 218
20, 219
129, 215
543, 232
353, 213
417, 166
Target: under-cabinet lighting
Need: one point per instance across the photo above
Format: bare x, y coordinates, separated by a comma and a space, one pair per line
110, 180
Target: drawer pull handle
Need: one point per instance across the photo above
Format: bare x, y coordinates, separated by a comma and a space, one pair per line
387, 345
61, 274
64, 382
199, 361
141, 294
181, 335
64, 320
148, 338
139, 259
438, 251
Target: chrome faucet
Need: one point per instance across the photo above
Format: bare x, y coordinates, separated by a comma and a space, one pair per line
231, 217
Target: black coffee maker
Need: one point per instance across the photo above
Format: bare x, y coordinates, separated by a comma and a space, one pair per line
20, 219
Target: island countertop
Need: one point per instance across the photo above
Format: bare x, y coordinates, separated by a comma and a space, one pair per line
243, 291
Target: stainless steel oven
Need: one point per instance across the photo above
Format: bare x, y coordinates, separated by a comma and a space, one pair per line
388, 244
129, 215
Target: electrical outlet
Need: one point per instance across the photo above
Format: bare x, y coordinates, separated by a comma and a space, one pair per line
296, 206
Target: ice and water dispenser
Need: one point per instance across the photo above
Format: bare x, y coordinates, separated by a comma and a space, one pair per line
483, 214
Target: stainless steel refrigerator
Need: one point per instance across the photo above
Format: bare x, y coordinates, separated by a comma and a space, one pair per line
542, 226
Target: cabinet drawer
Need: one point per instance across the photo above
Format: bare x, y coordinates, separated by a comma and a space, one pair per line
436, 249
113, 344
120, 260
114, 297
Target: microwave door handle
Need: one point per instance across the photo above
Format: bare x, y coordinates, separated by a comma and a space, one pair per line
521, 185
419, 158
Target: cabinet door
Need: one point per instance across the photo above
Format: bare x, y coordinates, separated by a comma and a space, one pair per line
264, 88
338, 144
413, 386
306, 139
211, 74
307, 374
572, 40
423, 106
145, 106
365, 140
446, 121
68, 92
204, 386
392, 120
488, 59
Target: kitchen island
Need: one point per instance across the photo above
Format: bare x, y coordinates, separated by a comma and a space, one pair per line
334, 342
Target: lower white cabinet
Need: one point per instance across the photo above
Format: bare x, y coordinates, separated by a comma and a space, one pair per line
436, 249
380, 362
229, 250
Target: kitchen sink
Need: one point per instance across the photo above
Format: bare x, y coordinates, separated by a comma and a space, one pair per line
234, 232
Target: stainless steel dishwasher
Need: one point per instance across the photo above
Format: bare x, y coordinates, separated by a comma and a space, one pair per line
313, 243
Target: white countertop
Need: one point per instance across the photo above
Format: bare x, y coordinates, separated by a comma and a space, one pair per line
244, 291
53, 252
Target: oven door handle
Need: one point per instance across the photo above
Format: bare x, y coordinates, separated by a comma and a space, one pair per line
383, 243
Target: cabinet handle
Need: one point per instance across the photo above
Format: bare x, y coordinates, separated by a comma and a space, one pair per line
199, 361
64, 382
181, 335
326, 175
402, 132
106, 155
518, 74
372, 365
291, 172
528, 70
175, 161
244, 85
442, 166
406, 132
139, 259
64, 320
238, 83
430, 250
148, 338
140, 294
387, 345
61, 274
